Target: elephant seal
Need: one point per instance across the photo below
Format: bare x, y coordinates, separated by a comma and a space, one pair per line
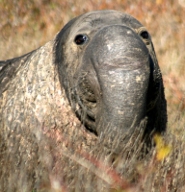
97, 80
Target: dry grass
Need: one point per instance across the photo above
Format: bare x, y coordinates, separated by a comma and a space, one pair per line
26, 26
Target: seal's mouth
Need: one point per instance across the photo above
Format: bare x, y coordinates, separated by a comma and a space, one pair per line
87, 116
87, 102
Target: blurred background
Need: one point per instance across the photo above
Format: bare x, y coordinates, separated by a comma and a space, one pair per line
27, 25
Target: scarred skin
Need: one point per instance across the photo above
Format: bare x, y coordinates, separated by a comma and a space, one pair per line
94, 82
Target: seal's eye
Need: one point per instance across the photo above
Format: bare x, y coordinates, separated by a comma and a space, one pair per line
144, 35
80, 39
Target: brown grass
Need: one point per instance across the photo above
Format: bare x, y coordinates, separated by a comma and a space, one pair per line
26, 26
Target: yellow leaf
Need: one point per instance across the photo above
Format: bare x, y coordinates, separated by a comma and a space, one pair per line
163, 152
162, 149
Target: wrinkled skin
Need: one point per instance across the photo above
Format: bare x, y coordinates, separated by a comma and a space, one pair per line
95, 82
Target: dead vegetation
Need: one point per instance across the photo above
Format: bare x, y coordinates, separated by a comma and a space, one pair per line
26, 26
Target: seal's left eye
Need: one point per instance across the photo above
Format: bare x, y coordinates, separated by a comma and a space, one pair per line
144, 35
80, 39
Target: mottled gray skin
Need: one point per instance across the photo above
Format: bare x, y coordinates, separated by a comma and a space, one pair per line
73, 93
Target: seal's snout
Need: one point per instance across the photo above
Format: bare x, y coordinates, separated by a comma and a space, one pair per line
120, 63
119, 46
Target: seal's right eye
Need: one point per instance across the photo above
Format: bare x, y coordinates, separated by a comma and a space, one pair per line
80, 39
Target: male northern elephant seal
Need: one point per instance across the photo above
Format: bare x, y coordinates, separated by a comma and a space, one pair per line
103, 63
